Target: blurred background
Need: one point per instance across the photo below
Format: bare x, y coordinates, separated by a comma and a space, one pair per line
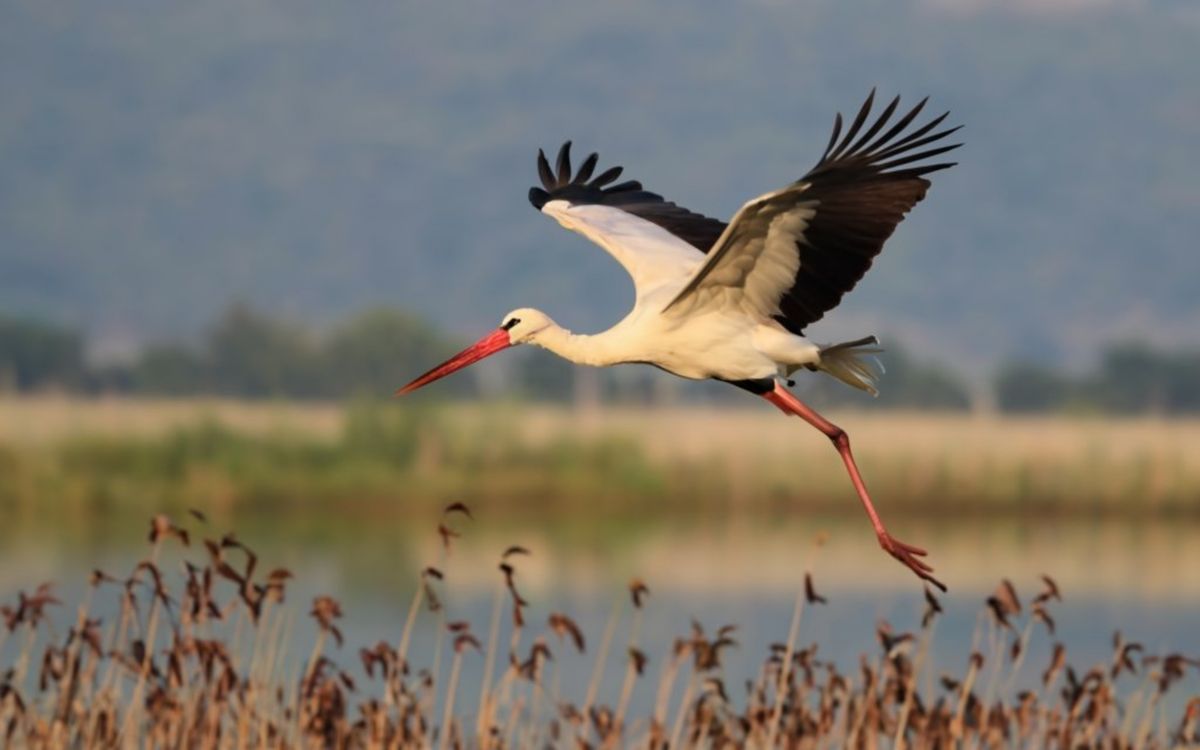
229, 230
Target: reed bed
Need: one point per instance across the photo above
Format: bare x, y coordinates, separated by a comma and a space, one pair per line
194, 657
140, 457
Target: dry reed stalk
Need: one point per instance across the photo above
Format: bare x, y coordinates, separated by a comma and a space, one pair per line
757, 700
1143, 730
956, 726
1135, 701
411, 619
243, 724
610, 629
622, 704
899, 740
666, 682
276, 643
785, 668
1015, 670
685, 709
863, 703
514, 644
439, 639
996, 657
461, 642
293, 700
8, 706
484, 717
530, 732
632, 670
256, 644
510, 724
135, 707
22, 667
555, 688
306, 681
448, 711
1068, 728
793, 633
536, 691
73, 653
435, 670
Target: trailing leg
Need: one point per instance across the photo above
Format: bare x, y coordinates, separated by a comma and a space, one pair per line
905, 553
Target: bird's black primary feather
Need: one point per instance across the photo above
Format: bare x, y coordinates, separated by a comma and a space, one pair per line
863, 188
558, 184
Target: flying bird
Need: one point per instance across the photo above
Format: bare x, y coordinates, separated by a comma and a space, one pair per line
731, 301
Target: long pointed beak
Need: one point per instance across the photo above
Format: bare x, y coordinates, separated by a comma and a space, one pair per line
495, 341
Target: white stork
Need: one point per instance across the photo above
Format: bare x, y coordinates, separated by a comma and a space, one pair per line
731, 301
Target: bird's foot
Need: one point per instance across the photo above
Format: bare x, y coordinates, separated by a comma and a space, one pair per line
910, 556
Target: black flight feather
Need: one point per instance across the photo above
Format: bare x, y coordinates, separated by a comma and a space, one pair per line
586, 169
563, 163
607, 176
629, 196
544, 173
862, 188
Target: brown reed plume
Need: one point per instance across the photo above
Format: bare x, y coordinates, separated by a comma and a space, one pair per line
194, 656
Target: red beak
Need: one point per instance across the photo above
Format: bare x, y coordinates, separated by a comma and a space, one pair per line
495, 341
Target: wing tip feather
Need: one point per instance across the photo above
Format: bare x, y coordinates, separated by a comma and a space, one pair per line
871, 154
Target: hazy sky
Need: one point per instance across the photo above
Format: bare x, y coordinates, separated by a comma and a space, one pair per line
158, 160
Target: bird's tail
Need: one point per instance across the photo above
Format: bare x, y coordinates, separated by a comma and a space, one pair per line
854, 363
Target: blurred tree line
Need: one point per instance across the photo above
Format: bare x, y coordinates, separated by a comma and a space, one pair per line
244, 354
1130, 378
248, 354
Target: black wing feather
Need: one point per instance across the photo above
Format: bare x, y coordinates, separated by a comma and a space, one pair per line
697, 230
544, 173
879, 123
563, 163
837, 129
861, 197
586, 169
900, 125
609, 175
859, 119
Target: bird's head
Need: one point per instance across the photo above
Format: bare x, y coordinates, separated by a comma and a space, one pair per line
521, 326
524, 324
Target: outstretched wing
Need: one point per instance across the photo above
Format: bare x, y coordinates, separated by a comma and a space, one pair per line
792, 254
655, 240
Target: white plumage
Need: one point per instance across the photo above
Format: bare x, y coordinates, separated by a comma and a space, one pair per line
731, 301
722, 329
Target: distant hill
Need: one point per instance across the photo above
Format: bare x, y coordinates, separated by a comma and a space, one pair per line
159, 159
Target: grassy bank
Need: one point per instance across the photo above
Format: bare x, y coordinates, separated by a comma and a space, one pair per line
59, 455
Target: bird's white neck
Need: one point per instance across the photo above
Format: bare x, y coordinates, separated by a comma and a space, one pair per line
596, 350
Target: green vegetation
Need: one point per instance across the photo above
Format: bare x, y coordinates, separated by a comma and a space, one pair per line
384, 453
35, 354
243, 354
247, 354
1131, 379
541, 459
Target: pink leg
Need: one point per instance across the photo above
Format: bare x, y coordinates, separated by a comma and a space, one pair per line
905, 553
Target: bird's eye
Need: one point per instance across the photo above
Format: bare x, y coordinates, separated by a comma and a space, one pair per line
512, 322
